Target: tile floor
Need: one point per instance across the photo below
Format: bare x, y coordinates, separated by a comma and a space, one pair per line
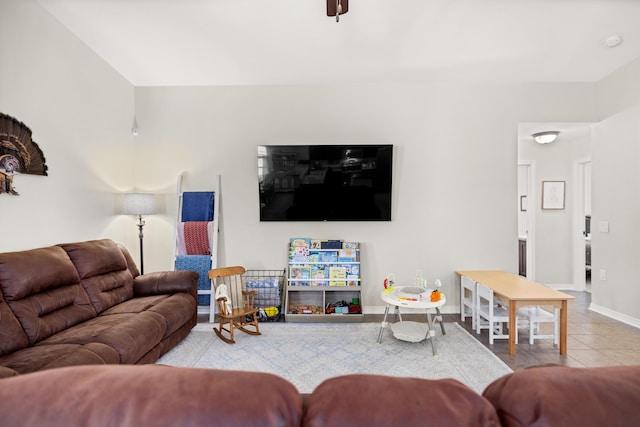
592, 340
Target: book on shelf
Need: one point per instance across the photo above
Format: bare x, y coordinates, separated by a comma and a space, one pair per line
328, 256
315, 244
331, 244
300, 241
353, 270
347, 255
350, 245
299, 254
300, 272
319, 275
338, 276
353, 274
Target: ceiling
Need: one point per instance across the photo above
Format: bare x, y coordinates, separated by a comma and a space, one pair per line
256, 42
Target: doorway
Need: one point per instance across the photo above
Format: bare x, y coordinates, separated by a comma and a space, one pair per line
557, 240
526, 219
582, 225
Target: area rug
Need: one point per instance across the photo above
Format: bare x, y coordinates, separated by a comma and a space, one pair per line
308, 353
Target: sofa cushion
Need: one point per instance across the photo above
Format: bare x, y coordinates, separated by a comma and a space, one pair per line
42, 357
131, 335
41, 286
176, 310
563, 396
103, 271
109, 289
95, 257
377, 400
149, 395
32, 271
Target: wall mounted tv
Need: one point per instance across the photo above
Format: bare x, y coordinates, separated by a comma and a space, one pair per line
325, 182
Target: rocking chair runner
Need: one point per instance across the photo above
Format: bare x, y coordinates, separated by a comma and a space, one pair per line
235, 305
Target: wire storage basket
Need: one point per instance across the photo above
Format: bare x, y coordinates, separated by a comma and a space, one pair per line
270, 299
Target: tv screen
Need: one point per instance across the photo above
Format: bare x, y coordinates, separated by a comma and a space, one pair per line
325, 182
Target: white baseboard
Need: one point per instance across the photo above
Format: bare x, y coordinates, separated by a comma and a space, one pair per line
615, 315
561, 286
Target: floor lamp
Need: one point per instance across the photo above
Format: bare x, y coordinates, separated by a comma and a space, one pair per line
139, 204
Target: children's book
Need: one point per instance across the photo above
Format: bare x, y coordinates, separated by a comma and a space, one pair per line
299, 249
328, 256
319, 274
347, 255
300, 241
300, 275
338, 276
353, 270
299, 272
299, 254
331, 244
353, 274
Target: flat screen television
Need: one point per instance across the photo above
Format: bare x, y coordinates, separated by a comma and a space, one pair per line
325, 182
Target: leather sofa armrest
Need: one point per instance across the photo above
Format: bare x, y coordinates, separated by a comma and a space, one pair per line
558, 395
166, 282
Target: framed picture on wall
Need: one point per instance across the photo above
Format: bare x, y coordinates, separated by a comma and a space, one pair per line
553, 194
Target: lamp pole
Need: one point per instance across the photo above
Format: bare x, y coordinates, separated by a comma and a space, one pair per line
139, 204
141, 236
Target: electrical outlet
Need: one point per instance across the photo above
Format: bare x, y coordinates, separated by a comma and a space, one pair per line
603, 274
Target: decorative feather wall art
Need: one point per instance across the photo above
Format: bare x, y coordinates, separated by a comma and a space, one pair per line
18, 153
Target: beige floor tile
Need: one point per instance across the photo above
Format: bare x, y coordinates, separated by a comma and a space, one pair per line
624, 357
592, 358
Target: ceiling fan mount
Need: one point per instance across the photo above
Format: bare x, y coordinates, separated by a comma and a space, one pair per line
337, 8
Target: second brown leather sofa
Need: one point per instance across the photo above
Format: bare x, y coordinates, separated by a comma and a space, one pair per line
155, 395
86, 303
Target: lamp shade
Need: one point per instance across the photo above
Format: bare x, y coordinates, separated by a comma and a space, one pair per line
139, 204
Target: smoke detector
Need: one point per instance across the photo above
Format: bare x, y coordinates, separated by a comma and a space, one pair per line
612, 41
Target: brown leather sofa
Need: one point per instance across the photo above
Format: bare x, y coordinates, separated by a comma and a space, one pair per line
86, 303
156, 395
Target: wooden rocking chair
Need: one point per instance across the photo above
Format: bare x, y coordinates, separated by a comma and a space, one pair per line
235, 304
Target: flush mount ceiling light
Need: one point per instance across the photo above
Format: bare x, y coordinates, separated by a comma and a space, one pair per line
337, 8
545, 137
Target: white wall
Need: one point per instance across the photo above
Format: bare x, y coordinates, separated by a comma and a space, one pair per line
80, 112
616, 196
455, 167
455, 162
